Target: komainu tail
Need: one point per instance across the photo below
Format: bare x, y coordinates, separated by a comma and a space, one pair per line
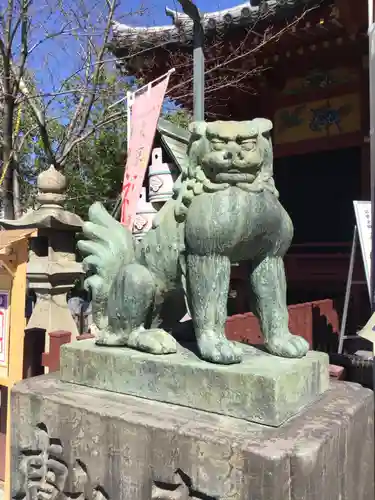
108, 247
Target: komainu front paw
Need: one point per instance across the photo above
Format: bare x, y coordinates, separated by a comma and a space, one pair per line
154, 341
288, 346
107, 337
216, 348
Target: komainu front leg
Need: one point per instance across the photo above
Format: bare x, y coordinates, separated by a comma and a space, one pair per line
207, 285
268, 287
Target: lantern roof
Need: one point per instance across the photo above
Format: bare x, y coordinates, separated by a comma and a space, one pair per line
175, 140
126, 38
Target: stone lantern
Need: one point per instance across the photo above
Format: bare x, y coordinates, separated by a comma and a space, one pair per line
52, 268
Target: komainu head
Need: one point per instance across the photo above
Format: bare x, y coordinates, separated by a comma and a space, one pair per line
223, 154
231, 152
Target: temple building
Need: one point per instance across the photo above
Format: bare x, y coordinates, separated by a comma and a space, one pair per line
304, 65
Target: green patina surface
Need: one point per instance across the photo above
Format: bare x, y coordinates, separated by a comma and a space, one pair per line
262, 389
225, 209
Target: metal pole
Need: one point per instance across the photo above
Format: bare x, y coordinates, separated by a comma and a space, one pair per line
349, 283
371, 64
372, 152
191, 10
198, 78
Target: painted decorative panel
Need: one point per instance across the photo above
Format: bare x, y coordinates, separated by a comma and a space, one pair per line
320, 79
318, 119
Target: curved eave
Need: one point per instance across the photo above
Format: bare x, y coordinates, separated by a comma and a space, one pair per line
127, 38
46, 218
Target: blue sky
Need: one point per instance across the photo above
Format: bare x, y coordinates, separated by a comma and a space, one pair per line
155, 9
58, 58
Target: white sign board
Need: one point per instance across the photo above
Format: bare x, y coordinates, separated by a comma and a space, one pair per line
362, 211
368, 332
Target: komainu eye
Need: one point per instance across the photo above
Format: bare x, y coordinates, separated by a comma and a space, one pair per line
218, 141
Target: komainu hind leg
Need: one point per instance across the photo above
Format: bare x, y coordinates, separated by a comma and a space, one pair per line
268, 287
130, 303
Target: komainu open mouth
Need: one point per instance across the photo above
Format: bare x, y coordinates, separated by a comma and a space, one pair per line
234, 177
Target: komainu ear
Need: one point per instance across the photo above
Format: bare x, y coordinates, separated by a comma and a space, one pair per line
198, 129
263, 125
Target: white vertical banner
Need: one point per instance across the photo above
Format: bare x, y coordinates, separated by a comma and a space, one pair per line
362, 210
144, 107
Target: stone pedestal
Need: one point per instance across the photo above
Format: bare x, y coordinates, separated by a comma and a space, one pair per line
78, 440
263, 388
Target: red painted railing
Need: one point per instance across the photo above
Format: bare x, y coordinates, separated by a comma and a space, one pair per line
304, 320
51, 359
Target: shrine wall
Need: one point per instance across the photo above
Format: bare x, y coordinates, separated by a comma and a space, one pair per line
319, 101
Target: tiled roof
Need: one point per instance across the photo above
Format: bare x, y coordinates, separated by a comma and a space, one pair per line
127, 37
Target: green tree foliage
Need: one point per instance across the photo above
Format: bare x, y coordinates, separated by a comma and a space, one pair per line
70, 106
94, 169
179, 117
94, 166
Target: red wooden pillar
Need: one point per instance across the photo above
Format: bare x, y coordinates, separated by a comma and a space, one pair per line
57, 339
51, 359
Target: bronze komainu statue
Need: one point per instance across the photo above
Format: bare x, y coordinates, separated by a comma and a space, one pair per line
225, 209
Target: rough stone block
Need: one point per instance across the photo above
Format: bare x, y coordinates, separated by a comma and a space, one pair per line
263, 388
119, 447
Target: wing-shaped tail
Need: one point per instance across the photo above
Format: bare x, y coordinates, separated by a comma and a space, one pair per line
108, 246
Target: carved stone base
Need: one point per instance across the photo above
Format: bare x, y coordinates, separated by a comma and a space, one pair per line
76, 440
262, 389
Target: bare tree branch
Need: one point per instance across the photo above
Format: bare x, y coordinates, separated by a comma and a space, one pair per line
40, 119
72, 35
216, 65
111, 119
84, 108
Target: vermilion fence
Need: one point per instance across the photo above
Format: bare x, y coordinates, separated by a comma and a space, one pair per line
316, 321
